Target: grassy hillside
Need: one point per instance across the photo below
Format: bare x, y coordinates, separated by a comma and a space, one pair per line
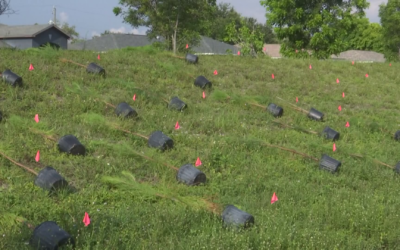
355, 208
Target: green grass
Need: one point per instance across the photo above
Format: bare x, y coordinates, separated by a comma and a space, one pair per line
356, 208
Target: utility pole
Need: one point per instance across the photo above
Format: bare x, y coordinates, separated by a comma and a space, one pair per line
54, 15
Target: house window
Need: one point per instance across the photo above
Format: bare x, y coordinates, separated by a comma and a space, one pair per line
50, 36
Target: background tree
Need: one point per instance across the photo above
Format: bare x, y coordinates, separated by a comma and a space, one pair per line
364, 36
5, 8
178, 21
390, 20
251, 41
317, 25
224, 14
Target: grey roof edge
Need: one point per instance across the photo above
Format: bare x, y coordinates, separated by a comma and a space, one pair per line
35, 34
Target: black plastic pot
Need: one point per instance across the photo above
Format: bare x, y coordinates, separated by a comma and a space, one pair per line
123, 109
11, 78
315, 115
70, 144
275, 110
160, 141
49, 179
330, 134
49, 236
329, 164
202, 82
95, 69
397, 135
397, 168
177, 104
233, 216
191, 58
190, 175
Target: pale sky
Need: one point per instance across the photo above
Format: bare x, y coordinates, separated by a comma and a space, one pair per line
92, 17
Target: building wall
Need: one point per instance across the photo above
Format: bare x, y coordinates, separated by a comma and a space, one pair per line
19, 43
51, 36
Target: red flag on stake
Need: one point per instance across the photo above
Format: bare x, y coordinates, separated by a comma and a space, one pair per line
274, 198
343, 94
347, 124
339, 108
352, 62
37, 158
297, 99
238, 53
273, 76
198, 162
177, 126
390, 64
86, 219
334, 147
337, 80
265, 49
37, 118
31, 67
187, 46
98, 57
134, 97
215, 72
310, 66
204, 95
366, 75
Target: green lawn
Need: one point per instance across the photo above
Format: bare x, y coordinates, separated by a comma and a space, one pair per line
355, 208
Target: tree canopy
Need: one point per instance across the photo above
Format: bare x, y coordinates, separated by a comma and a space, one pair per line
318, 25
390, 20
178, 21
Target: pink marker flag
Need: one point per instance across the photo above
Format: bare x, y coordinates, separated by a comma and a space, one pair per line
134, 97
37, 118
204, 95
334, 147
31, 67
198, 162
274, 198
177, 126
37, 158
86, 219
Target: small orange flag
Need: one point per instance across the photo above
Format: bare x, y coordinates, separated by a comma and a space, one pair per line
98, 57
86, 219
334, 147
37, 158
177, 126
340, 108
204, 95
37, 118
347, 124
134, 97
31, 67
215, 72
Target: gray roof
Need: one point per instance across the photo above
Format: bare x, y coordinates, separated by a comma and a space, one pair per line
26, 31
118, 41
360, 55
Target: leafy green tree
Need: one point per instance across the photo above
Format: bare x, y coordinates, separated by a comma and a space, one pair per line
390, 20
365, 36
224, 14
251, 41
178, 21
317, 25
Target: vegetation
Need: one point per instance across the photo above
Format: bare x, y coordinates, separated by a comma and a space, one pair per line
390, 19
357, 208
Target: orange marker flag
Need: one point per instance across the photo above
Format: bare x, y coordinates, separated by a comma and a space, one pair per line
352, 62
31, 67
134, 97
347, 124
339, 108
37, 158
198, 162
187, 46
334, 147
337, 80
343, 94
215, 72
98, 57
238, 53
274, 198
177, 126
37, 118
86, 219
297, 99
204, 95
310, 66
366, 75
273, 76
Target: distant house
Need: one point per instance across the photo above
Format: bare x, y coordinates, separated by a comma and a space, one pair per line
118, 41
33, 36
